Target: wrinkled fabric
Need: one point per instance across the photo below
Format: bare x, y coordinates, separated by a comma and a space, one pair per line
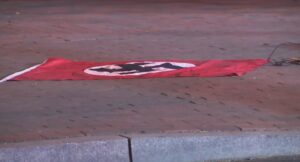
63, 69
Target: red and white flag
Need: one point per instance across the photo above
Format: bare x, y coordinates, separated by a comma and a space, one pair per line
63, 69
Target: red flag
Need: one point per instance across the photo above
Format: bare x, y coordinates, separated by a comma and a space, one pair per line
63, 69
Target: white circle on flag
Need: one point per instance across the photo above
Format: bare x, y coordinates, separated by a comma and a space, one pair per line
136, 68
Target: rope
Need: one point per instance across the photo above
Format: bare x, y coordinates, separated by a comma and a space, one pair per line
295, 60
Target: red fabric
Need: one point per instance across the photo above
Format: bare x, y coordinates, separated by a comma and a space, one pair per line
63, 69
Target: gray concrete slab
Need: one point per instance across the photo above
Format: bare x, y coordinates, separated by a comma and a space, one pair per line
270, 159
213, 146
83, 149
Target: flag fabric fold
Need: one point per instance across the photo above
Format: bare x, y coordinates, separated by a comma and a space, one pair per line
64, 69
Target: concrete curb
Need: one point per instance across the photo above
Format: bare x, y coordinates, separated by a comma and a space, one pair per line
213, 146
168, 147
90, 149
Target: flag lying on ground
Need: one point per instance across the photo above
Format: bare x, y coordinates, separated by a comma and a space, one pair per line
63, 69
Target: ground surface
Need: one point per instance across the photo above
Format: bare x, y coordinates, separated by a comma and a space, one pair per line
274, 159
31, 31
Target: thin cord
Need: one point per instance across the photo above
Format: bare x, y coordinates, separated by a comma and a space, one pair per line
295, 61
275, 49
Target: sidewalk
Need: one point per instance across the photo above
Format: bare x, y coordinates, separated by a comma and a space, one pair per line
263, 102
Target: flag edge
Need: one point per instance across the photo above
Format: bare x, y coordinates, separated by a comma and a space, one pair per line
14, 75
